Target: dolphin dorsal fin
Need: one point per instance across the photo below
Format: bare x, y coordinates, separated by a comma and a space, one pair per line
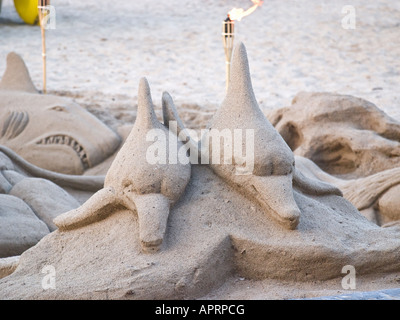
16, 77
145, 115
240, 96
170, 113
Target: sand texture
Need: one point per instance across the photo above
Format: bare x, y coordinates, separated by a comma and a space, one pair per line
343, 135
214, 231
121, 228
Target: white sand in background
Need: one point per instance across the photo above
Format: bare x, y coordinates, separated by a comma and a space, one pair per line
101, 48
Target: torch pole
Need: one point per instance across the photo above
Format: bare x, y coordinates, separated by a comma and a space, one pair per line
228, 35
42, 10
44, 59
228, 74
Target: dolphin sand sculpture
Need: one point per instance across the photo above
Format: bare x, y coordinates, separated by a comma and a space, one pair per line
49, 131
150, 189
134, 183
274, 175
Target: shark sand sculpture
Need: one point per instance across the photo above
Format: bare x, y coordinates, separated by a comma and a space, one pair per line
49, 131
11, 161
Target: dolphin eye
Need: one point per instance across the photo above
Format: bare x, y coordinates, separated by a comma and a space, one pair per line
59, 109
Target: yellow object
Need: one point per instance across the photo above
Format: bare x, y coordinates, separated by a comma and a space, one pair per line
27, 10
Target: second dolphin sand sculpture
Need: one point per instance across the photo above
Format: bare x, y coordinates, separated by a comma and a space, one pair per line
132, 182
212, 233
271, 181
49, 131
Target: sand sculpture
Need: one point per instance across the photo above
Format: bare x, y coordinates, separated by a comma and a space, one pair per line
376, 196
343, 135
213, 232
10, 160
49, 131
273, 171
353, 140
20, 228
132, 182
31, 197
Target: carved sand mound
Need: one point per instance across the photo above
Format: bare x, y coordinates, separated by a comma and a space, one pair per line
352, 139
376, 196
213, 232
44, 194
343, 135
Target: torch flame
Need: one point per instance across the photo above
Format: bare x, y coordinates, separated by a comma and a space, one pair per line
239, 14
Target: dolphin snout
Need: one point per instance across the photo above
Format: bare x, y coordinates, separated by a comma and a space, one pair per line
290, 217
153, 212
275, 194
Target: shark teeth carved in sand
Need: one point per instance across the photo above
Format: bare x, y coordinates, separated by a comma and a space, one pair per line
62, 139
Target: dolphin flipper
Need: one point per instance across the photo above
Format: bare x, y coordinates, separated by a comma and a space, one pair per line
313, 186
98, 207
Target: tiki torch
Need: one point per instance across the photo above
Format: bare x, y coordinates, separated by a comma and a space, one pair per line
43, 17
228, 35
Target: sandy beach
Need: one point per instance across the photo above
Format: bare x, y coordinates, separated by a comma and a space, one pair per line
100, 50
